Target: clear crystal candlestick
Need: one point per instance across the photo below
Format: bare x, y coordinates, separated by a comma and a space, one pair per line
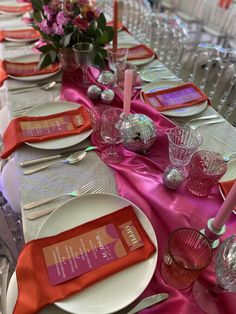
225, 268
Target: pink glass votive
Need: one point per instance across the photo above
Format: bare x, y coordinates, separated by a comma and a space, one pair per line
205, 170
188, 253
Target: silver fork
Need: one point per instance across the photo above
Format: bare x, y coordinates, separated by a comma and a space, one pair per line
194, 127
43, 212
82, 190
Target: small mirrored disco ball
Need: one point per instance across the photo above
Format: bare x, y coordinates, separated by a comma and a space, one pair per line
138, 132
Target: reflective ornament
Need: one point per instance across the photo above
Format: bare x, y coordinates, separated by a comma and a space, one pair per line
106, 78
172, 177
138, 132
107, 96
94, 92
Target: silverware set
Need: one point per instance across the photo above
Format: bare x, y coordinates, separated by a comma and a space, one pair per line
211, 119
85, 189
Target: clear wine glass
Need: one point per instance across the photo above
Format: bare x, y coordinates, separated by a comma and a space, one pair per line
183, 142
116, 58
225, 268
110, 132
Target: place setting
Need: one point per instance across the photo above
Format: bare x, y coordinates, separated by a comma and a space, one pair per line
123, 210
14, 8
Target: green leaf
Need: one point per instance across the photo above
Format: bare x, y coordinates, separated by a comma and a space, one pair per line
45, 60
37, 4
65, 40
99, 60
53, 55
101, 20
93, 26
102, 39
46, 48
37, 16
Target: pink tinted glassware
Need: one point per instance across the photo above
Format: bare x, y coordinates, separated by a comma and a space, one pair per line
205, 170
225, 268
121, 74
188, 253
110, 132
183, 142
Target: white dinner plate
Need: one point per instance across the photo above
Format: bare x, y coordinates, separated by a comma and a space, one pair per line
229, 175
119, 290
31, 78
20, 40
141, 61
48, 108
13, 4
137, 61
180, 112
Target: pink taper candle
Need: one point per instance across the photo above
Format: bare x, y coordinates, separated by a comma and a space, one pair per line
127, 91
115, 23
226, 209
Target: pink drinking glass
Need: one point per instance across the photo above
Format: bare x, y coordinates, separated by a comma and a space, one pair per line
188, 254
205, 170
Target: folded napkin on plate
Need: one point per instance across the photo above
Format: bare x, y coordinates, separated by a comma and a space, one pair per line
139, 52
184, 95
15, 8
37, 129
126, 243
23, 69
226, 186
28, 33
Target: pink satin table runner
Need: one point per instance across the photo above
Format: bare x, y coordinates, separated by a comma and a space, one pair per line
139, 179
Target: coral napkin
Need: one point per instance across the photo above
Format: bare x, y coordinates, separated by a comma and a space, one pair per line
139, 52
38, 129
34, 288
28, 33
184, 95
16, 8
23, 69
226, 186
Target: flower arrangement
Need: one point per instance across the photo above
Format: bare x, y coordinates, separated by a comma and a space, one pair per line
63, 23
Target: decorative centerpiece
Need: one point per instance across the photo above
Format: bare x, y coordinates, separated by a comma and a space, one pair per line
64, 23
138, 131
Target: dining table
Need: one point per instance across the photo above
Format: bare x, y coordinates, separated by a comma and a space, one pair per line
138, 180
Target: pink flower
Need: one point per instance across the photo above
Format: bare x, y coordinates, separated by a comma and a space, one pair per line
48, 12
58, 29
81, 23
61, 19
44, 27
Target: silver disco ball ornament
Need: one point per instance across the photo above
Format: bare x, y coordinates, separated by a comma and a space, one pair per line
172, 177
107, 96
138, 132
106, 78
94, 92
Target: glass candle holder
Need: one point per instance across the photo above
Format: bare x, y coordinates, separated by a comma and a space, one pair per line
205, 170
188, 253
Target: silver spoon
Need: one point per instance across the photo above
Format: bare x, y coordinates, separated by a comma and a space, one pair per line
24, 89
72, 159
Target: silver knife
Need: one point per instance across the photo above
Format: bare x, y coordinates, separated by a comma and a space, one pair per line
149, 301
50, 158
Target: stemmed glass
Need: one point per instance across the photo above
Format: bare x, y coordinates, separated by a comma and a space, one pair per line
183, 142
116, 58
225, 267
110, 132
